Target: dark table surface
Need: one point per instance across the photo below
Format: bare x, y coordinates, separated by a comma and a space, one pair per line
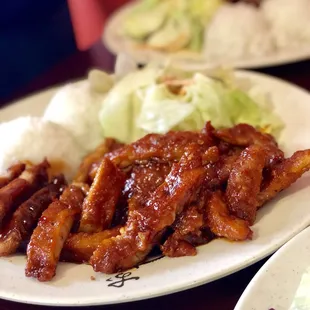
222, 294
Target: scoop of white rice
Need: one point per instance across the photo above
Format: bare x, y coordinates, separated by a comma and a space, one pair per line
76, 107
32, 139
237, 31
289, 21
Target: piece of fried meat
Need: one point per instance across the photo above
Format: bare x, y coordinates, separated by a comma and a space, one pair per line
24, 219
84, 174
12, 173
222, 223
100, 203
246, 135
146, 224
186, 229
51, 233
21, 188
244, 183
284, 175
165, 148
79, 247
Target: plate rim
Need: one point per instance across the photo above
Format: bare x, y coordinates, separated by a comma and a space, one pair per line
285, 248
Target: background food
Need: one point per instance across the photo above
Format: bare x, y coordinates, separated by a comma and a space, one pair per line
289, 21
217, 30
169, 25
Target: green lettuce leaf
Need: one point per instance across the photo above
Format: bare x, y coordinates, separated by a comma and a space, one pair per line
210, 98
162, 110
142, 103
122, 105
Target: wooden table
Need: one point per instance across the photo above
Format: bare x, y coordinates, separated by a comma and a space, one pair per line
222, 294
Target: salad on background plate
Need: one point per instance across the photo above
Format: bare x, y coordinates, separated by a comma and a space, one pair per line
247, 33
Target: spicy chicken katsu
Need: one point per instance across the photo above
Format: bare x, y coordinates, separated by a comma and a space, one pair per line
172, 191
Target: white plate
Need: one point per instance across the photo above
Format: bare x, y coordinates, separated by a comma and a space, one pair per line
117, 43
276, 224
276, 283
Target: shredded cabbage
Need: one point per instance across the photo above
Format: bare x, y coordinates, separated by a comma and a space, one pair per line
142, 103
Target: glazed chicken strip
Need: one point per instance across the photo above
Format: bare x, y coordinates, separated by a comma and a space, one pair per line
93, 158
100, 203
24, 219
225, 165
143, 180
284, 175
246, 135
244, 183
12, 173
52, 231
222, 224
79, 247
187, 226
243, 135
145, 224
168, 147
21, 188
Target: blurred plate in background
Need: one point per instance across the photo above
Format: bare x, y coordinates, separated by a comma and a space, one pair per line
117, 43
276, 283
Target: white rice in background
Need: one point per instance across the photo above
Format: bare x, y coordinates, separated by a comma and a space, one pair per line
76, 107
237, 31
33, 139
289, 21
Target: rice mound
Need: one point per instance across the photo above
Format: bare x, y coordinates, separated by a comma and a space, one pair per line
237, 31
76, 107
289, 21
32, 139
